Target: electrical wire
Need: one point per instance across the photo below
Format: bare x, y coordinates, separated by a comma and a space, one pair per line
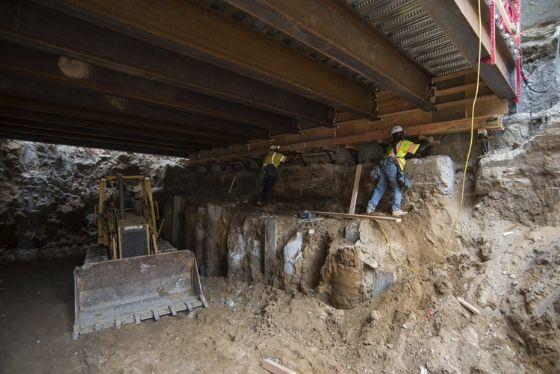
456, 220
555, 71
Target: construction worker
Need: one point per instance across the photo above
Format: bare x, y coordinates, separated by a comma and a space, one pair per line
270, 170
391, 171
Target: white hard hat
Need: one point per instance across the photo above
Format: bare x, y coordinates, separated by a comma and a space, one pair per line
396, 129
274, 147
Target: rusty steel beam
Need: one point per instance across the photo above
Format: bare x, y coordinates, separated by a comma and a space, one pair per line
25, 108
56, 129
200, 33
26, 22
47, 121
38, 89
8, 130
336, 30
78, 73
459, 20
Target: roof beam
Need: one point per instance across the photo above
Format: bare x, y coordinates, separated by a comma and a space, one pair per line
197, 32
37, 89
26, 22
65, 70
124, 132
25, 108
459, 21
336, 30
6, 131
65, 129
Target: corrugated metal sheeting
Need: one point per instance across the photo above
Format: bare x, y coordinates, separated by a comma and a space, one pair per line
407, 25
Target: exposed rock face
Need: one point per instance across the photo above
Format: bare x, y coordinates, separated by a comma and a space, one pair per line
523, 184
48, 193
539, 49
432, 173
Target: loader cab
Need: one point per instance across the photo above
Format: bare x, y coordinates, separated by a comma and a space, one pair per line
126, 216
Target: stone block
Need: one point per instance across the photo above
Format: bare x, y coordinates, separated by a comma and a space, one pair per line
435, 173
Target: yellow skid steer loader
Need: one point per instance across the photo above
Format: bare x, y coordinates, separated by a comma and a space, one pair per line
131, 275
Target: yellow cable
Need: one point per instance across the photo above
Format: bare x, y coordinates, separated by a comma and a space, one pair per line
472, 132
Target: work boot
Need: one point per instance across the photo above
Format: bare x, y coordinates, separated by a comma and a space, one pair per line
259, 203
399, 213
370, 211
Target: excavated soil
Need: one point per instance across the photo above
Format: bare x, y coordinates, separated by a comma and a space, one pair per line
510, 272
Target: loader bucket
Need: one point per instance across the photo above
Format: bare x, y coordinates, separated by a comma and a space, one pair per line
115, 292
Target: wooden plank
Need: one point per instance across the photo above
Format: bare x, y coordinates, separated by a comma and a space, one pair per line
276, 368
358, 216
357, 176
471, 308
301, 143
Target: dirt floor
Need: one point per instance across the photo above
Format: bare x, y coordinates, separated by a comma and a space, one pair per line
418, 325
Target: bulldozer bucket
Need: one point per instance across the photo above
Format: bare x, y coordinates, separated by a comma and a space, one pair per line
115, 292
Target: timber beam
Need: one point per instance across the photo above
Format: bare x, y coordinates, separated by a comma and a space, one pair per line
26, 22
38, 89
438, 128
200, 33
62, 69
459, 21
336, 30
451, 117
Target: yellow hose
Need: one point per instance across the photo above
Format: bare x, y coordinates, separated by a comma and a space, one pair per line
472, 133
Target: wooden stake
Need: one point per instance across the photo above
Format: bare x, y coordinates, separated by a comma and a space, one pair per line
471, 308
357, 177
275, 367
232, 183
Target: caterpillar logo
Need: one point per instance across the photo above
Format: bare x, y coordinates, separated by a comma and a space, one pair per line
130, 228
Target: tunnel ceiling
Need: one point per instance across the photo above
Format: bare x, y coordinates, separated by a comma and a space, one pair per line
196, 75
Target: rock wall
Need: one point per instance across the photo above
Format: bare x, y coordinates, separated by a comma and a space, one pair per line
537, 12
343, 261
523, 184
48, 193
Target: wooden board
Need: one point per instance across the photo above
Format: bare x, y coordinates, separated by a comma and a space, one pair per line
359, 216
354, 197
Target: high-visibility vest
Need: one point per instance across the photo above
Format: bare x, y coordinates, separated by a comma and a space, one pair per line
274, 158
403, 148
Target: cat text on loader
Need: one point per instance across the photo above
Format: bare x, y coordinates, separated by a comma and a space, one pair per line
131, 275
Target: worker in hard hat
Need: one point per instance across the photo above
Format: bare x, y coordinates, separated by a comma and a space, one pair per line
270, 166
390, 172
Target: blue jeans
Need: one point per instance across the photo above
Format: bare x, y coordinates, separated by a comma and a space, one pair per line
389, 176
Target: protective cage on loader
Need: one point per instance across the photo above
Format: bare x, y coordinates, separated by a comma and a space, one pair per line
131, 275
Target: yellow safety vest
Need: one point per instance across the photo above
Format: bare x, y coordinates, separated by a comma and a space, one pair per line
403, 148
274, 158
